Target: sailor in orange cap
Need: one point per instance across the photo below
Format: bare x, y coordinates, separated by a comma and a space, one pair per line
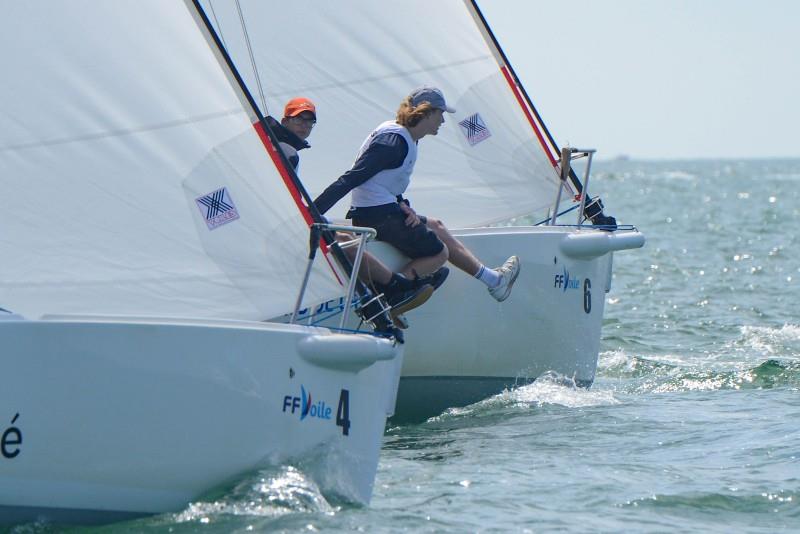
299, 118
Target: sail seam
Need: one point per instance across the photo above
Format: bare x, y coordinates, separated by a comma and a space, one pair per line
123, 132
348, 83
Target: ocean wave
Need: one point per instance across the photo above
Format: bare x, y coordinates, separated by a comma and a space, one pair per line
548, 389
783, 340
269, 493
782, 176
768, 374
619, 364
675, 175
713, 503
553, 388
263, 499
643, 375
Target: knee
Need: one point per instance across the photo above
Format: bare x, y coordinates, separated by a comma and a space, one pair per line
436, 225
438, 228
444, 255
343, 240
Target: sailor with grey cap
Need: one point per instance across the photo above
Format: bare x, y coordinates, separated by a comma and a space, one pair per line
432, 96
379, 177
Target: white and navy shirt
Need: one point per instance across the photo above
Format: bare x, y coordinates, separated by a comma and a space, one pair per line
381, 172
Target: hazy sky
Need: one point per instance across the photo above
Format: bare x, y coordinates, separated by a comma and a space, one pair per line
659, 78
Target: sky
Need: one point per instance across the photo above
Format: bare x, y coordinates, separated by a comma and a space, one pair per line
659, 79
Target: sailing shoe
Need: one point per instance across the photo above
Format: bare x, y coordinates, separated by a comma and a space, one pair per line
435, 279
403, 301
508, 275
397, 283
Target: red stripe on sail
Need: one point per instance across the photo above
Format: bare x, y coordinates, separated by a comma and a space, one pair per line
515, 90
287, 180
289, 183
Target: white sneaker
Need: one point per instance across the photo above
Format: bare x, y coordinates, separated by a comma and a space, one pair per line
508, 275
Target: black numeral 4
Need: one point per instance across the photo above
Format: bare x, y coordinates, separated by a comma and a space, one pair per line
343, 412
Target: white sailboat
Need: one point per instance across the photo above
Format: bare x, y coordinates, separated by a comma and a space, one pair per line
147, 230
493, 161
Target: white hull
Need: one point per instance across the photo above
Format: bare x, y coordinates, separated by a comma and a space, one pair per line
463, 346
119, 418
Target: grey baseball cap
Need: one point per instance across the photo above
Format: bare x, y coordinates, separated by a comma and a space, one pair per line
432, 95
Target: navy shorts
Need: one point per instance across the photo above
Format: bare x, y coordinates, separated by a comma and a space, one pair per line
413, 241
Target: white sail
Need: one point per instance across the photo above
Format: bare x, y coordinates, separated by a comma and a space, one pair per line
357, 60
148, 229
133, 179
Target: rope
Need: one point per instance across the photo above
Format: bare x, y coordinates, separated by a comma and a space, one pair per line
219, 28
557, 216
252, 59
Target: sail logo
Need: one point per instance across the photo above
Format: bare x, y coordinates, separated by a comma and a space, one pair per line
217, 208
564, 282
474, 129
305, 406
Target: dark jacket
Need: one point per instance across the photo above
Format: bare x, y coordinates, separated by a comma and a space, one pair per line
289, 142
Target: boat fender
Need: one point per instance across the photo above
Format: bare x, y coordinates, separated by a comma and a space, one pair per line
587, 245
345, 352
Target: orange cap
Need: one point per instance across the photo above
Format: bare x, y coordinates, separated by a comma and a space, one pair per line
298, 105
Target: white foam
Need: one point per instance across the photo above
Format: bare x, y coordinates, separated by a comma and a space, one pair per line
554, 389
288, 491
769, 340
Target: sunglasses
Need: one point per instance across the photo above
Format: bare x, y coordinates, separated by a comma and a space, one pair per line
309, 121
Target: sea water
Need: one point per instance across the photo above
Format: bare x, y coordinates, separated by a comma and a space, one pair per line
692, 423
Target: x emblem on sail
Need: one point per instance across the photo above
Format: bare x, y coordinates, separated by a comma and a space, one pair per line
474, 129
217, 208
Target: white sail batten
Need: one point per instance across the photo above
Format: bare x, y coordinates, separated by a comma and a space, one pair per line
133, 179
358, 60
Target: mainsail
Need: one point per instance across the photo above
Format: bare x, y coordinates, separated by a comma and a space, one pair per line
134, 182
357, 60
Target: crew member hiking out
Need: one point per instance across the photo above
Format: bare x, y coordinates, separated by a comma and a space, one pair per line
379, 177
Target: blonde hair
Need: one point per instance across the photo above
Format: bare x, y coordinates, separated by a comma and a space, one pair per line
409, 116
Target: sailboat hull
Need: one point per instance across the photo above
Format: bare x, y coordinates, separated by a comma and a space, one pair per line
463, 346
107, 419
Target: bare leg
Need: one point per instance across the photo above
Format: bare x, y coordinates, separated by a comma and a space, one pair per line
460, 256
426, 265
371, 269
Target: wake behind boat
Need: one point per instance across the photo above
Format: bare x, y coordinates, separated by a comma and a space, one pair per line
493, 161
152, 228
